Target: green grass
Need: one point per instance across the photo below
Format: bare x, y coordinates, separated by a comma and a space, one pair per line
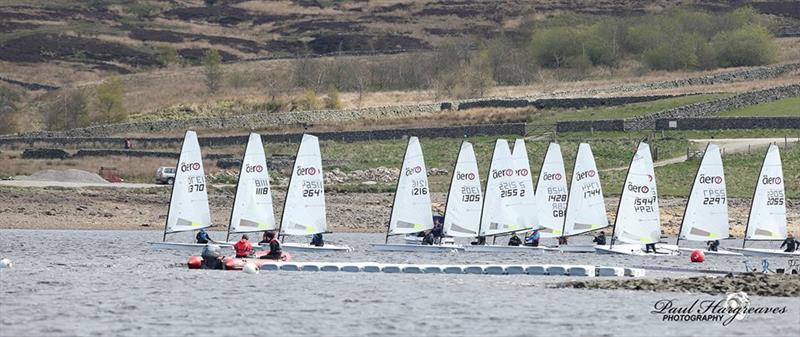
741, 171
781, 108
617, 112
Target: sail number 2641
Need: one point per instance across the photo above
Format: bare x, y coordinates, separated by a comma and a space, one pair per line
312, 189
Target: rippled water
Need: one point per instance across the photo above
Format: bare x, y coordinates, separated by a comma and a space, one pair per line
110, 283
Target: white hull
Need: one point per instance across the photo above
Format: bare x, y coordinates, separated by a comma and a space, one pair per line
380, 247
303, 247
576, 248
185, 247
711, 252
507, 249
416, 240
635, 249
765, 252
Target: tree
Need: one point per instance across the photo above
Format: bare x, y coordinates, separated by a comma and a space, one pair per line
67, 111
211, 62
110, 95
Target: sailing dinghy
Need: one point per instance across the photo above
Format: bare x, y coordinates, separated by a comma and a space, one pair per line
252, 204
551, 193
638, 220
411, 209
462, 215
586, 208
304, 210
705, 217
188, 203
509, 204
767, 221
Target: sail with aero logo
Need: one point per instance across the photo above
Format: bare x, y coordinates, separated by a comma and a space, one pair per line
502, 191
188, 206
524, 204
638, 219
252, 205
463, 212
551, 193
304, 209
768, 213
706, 214
411, 210
586, 209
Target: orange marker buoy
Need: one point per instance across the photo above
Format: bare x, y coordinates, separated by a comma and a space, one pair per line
195, 262
697, 256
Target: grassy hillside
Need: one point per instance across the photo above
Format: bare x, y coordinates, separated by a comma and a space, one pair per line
787, 107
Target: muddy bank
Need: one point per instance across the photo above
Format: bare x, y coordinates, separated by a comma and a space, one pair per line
753, 284
117, 208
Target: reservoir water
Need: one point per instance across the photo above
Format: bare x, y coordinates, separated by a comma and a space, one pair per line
108, 283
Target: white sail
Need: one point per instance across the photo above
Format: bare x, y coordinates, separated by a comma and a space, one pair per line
503, 189
638, 219
586, 209
526, 207
252, 206
411, 210
188, 205
551, 193
768, 213
706, 216
463, 212
304, 210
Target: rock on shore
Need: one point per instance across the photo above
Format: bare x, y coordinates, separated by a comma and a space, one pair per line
782, 285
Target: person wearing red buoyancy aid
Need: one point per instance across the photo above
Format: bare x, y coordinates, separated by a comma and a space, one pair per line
243, 247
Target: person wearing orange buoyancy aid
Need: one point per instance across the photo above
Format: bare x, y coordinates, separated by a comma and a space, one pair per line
243, 247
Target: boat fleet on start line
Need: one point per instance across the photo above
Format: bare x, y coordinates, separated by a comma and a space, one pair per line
506, 204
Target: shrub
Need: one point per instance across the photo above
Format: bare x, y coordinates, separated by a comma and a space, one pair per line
332, 99
8, 110
747, 46
68, 110
308, 101
211, 68
552, 46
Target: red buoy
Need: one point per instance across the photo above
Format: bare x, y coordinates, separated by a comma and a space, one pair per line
195, 262
697, 256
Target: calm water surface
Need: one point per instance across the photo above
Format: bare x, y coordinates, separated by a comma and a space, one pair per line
109, 283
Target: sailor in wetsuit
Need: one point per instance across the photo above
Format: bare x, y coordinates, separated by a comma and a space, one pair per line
514, 240
212, 257
202, 237
713, 246
316, 240
600, 239
790, 243
275, 251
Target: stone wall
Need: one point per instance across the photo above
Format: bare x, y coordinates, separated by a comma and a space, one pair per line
591, 125
345, 136
556, 103
710, 108
721, 123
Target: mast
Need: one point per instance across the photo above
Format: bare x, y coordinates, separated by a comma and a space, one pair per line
691, 190
236, 192
569, 192
452, 178
627, 173
753, 199
396, 186
172, 190
539, 179
486, 190
289, 189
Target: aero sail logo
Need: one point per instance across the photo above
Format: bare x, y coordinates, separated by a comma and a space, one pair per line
301, 171
704, 179
585, 174
185, 167
253, 168
465, 176
767, 180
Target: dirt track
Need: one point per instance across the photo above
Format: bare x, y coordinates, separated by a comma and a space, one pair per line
111, 208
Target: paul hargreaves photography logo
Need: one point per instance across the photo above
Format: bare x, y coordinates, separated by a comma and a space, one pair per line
734, 307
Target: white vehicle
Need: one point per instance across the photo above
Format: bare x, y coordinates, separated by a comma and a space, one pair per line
165, 175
